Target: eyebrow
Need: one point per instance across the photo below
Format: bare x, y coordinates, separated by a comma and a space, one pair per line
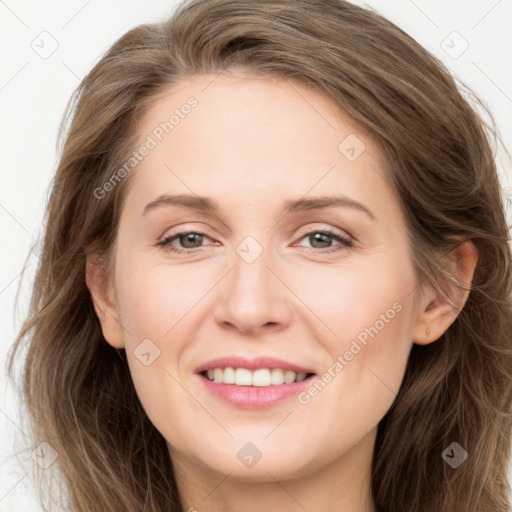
206, 204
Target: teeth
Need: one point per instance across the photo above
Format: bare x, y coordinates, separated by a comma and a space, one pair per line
289, 377
261, 377
243, 377
277, 376
229, 376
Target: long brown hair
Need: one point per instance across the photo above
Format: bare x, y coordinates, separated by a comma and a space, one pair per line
438, 153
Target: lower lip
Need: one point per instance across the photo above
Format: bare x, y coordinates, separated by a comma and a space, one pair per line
254, 397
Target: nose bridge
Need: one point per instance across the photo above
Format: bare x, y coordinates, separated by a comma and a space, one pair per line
250, 274
253, 297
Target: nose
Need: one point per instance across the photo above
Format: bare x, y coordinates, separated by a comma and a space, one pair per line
253, 298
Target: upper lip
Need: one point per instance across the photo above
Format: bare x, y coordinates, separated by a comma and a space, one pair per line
251, 364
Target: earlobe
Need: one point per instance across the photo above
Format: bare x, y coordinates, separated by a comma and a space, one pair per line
438, 311
102, 299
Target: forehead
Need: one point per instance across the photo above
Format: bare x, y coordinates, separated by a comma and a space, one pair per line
255, 106
263, 136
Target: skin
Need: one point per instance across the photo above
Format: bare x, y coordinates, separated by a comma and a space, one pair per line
250, 144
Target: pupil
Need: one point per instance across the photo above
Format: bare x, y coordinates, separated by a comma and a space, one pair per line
322, 238
190, 238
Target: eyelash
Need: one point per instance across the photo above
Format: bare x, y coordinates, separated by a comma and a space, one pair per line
345, 242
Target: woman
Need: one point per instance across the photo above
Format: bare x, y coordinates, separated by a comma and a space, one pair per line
191, 347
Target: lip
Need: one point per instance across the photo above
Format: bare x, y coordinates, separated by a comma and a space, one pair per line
252, 364
254, 397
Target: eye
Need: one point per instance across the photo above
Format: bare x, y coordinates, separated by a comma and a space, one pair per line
189, 241
322, 239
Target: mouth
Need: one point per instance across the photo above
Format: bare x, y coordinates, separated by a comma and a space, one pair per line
261, 377
255, 387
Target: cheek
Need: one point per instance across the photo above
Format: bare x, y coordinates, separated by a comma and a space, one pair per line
359, 386
369, 312
153, 304
360, 300
153, 300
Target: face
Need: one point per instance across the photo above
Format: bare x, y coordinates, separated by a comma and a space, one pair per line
285, 254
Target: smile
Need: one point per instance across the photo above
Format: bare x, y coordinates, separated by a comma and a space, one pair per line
260, 377
256, 389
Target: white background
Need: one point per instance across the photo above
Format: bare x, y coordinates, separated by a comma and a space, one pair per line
34, 92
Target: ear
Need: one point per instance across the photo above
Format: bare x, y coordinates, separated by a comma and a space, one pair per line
103, 299
437, 311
